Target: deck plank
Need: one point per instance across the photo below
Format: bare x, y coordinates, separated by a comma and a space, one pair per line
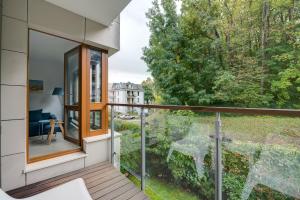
51, 184
40, 183
139, 196
111, 188
118, 192
128, 194
103, 182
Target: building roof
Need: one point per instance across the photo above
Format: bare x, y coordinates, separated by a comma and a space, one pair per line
127, 86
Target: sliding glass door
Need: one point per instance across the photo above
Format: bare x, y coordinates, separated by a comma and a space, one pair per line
86, 93
72, 95
67, 95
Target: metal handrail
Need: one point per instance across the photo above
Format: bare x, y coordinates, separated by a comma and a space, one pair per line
236, 110
218, 132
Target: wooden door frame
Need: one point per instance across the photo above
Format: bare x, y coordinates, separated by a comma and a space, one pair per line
84, 129
73, 107
101, 106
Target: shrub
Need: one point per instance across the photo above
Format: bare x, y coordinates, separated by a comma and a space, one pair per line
180, 169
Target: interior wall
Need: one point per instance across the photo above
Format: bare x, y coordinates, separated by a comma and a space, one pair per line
46, 63
52, 74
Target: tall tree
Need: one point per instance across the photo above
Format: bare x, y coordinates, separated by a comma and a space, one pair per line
148, 87
225, 52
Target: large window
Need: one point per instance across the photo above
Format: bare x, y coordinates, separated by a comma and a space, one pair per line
67, 95
97, 62
95, 76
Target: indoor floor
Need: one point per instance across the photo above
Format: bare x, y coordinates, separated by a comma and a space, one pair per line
39, 145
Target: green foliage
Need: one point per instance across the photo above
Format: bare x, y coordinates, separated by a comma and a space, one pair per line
238, 156
148, 86
121, 126
287, 88
225, 52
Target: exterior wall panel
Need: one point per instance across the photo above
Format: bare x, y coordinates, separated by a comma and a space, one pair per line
13, 93
16, 9
102, 36
51, 19
55, 20
13, 137
93, 145
56, 170
14, 35
12, 175
13, 68
13, 102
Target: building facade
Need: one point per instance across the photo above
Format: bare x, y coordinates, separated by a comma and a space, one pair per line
126, 93
88, 31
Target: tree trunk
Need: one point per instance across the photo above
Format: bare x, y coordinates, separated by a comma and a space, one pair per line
264, 40
219, 50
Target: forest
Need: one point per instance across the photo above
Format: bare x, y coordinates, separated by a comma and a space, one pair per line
225, 52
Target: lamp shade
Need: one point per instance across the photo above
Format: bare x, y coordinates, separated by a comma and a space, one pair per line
58, 91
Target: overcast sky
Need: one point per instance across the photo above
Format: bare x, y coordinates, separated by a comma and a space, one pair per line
127, 65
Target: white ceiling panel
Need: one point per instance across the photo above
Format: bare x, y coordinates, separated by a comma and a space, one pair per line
101, 11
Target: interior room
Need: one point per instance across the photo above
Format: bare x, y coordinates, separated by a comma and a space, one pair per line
53, 63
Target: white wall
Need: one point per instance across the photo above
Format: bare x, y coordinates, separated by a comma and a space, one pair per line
13, 93
17, 17
46, 63
53, 76
58, 21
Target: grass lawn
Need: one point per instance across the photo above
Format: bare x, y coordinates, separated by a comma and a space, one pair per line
238, 127
245, 133
159, 190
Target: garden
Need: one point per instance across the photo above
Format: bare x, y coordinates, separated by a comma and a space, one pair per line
261, 155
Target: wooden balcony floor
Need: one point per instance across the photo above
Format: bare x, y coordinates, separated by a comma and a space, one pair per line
102, 180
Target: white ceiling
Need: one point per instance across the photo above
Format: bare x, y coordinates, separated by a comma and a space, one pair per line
47, 48
102, 11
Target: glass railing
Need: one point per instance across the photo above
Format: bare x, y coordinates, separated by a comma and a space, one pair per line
261, 158
127, 141
179, 152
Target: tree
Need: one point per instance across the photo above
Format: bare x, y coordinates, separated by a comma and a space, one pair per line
148, 87
177, 59
229, 52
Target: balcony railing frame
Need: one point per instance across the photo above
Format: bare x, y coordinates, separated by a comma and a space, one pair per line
218, 132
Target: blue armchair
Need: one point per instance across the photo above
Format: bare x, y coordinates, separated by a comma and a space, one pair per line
35, 127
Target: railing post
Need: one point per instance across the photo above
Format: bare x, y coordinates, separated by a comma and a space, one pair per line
112, 128
143, 150
218, 158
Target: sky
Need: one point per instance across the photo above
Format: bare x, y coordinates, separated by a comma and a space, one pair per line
127, 65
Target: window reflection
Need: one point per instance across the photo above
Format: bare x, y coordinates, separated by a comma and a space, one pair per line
73, 78
95, 120
95, 76
72, 126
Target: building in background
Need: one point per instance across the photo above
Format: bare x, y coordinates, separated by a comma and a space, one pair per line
126, 93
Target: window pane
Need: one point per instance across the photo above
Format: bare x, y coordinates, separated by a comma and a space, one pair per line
95, 75
73, 78
95, 120
72, 125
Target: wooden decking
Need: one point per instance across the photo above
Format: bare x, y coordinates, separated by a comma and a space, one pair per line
102, 180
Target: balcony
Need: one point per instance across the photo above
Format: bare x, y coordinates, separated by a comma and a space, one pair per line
185, 152
131, 95
182, 152
102, 180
